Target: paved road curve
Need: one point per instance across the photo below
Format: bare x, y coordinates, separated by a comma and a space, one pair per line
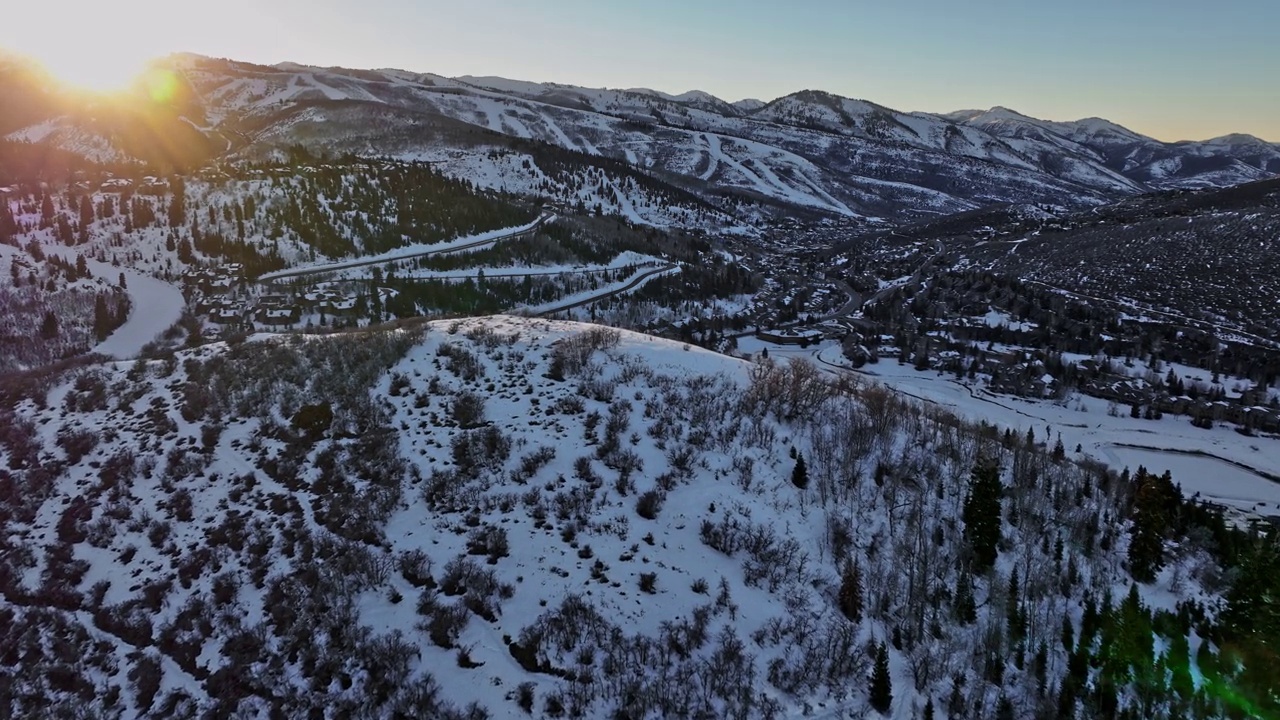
271, 278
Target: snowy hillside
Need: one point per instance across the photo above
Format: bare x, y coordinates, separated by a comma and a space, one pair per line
1142, 161
811, 150
528, 517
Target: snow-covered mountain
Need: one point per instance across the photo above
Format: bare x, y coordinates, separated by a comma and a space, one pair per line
809, 151
1150, 163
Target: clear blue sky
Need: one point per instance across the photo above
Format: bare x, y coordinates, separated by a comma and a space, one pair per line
1174, 69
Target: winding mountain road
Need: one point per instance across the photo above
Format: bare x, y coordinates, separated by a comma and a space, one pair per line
635, 283
481, 241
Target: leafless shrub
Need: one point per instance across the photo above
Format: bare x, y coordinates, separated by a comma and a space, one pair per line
570, 354
461, 361
649, 504
467, 409
415, 566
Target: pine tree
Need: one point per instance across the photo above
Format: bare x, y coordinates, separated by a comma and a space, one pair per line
956, 700
965, 606
178, 205
800, 475
8, 228
851, 592
982, 513
881, 683
101, 318
1013, 610
1146, 546
1004, 708
46, 211
49, 328
928, 710
86, 217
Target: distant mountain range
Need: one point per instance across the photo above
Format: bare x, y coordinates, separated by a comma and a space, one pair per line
808, 151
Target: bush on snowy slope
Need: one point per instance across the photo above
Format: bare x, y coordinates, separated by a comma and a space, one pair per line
617, 533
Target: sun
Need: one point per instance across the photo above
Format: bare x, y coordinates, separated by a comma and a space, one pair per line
95, 71
96, 46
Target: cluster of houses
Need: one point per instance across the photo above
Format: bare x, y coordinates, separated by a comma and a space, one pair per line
1251, 410
1017, 371
219, 295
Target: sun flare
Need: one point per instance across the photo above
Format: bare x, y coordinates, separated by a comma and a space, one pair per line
95, 71
99, 47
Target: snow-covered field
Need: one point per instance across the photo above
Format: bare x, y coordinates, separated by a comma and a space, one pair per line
155, 306
1210, 478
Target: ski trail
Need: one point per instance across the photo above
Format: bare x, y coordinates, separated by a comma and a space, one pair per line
492, 114
626, 206
718, 153
518, 128
817, 189
560, 136
329, 92
713, 163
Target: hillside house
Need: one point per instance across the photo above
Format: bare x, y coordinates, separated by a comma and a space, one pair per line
277, 316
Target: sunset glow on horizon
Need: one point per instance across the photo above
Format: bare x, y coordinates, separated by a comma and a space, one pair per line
1162, 68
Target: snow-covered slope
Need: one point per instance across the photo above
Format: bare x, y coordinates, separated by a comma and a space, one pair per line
527, 516
1144, 161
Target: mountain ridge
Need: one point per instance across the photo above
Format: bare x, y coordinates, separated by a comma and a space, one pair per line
810, 150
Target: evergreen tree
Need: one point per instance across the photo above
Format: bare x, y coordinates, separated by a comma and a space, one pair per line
881, 683
49, 328
86, 218
1146, 545
178, 204
956, 700
982, 513
965, 606
1013, 610
928, 710
46, 211
8, 227
1004, 708
101, 318
851, 592
800, 475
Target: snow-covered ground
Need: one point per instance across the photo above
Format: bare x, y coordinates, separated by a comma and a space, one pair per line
556, 464
156, 306
1210, 478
